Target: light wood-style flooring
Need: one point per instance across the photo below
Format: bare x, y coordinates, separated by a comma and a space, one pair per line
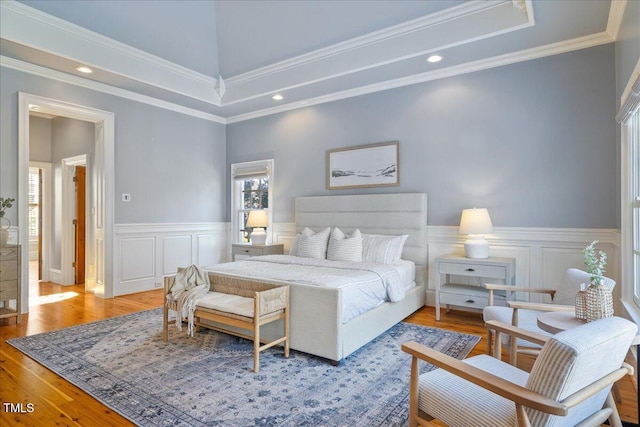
56, 402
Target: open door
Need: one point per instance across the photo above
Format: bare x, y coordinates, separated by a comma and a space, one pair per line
80, 224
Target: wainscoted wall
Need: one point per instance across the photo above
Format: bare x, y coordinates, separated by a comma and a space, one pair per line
542, 254
147, 252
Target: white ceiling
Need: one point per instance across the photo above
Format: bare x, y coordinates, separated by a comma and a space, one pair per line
171, 53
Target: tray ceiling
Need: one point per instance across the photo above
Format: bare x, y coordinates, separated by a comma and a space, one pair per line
173, 53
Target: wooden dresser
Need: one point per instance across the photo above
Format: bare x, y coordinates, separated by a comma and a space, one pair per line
10, 281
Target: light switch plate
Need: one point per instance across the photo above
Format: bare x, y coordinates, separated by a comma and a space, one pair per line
126, 197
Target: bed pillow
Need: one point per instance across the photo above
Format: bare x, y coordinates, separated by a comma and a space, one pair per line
293, 250
313, 245
381, 249
343, 247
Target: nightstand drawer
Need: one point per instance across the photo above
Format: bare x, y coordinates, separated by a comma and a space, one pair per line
475, 270
474, 301
8, 270
248, 250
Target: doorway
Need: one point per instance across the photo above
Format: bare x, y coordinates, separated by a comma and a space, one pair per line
102, 181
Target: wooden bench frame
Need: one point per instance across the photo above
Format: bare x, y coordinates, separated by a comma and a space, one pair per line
270, 303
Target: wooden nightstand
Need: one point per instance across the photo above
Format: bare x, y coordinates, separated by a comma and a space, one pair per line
244, 250
472, 273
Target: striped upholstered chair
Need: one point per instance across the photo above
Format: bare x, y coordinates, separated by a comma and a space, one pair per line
569, 384
524, 314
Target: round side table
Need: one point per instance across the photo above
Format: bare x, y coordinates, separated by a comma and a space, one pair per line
558, 321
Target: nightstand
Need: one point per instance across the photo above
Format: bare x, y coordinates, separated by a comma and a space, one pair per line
245, 250
464, 277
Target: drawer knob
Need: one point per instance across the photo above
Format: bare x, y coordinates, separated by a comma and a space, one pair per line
470, 301
470, 269
246, 250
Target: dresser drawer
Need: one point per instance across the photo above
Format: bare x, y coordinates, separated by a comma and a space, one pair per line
8, 290
8, 270
7, 254
474, 301
475, 270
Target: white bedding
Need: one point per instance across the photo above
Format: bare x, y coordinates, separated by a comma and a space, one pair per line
364, 285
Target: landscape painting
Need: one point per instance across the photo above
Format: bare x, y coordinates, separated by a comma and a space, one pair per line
373, 165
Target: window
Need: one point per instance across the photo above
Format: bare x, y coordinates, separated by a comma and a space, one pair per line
251, 189
34, 203
629, 117
634, 153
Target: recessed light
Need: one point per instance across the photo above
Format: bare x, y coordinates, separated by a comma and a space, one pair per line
434, 58
84, 69
277, 97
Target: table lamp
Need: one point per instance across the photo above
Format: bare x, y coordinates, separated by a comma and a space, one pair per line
257, 221
475, 223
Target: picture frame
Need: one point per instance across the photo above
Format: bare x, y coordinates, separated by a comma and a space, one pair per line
371, 165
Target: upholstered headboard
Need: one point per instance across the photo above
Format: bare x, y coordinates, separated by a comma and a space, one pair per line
391, 214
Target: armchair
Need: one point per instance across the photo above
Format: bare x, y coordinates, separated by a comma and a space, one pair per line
569, 383
525, 314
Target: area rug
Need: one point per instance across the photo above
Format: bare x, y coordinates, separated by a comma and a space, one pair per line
208, 380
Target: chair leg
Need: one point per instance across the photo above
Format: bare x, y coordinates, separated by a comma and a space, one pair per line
165, 323
413, 392
614, 418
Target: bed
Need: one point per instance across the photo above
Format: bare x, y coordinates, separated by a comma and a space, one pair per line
320, 324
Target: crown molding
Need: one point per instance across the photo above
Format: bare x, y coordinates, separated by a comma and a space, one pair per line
104, 88
616, 13
367, 39
30, 27
483, 64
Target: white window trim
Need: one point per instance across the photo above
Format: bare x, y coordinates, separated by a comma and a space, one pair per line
236, 192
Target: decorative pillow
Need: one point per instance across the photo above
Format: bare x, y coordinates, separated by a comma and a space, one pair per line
345, 248
293, 250
313, 245
381, 249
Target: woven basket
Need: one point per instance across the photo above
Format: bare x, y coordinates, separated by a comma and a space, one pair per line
581, 305
599, 303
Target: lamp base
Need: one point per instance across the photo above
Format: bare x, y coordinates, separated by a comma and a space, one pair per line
258, 236
476, 247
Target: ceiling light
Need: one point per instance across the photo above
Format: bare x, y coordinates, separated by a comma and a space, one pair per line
84, 69
434, 58
277, 97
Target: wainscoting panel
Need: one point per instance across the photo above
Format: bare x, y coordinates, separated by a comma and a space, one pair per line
137, 258
147, 252
176, 253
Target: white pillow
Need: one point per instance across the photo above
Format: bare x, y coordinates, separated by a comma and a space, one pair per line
293, 250
345, 248
313, 245
381, 249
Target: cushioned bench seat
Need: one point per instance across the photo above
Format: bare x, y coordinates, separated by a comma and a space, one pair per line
232, 306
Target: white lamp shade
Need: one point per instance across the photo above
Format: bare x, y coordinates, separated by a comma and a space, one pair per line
475, 221
258, 219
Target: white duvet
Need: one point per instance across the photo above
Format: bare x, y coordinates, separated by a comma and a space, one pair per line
364, 285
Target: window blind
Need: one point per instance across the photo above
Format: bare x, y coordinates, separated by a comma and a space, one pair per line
630, 103
250, 172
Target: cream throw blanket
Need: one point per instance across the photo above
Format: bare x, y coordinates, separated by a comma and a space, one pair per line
190, 285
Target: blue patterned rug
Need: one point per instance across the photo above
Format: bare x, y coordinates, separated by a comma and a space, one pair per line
208, 380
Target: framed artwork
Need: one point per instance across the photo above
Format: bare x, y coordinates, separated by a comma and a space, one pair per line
372, 165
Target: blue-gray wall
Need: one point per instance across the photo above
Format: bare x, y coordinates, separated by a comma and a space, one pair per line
172, 164
535, 142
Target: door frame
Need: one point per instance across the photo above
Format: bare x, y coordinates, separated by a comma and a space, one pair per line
46, 217
103, 180
67, 251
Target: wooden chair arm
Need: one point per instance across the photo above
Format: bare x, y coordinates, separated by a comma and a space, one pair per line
593, 388
505, 328
539, 306
497, 385
498, 287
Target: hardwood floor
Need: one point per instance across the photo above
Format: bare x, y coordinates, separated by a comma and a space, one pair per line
55, 401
